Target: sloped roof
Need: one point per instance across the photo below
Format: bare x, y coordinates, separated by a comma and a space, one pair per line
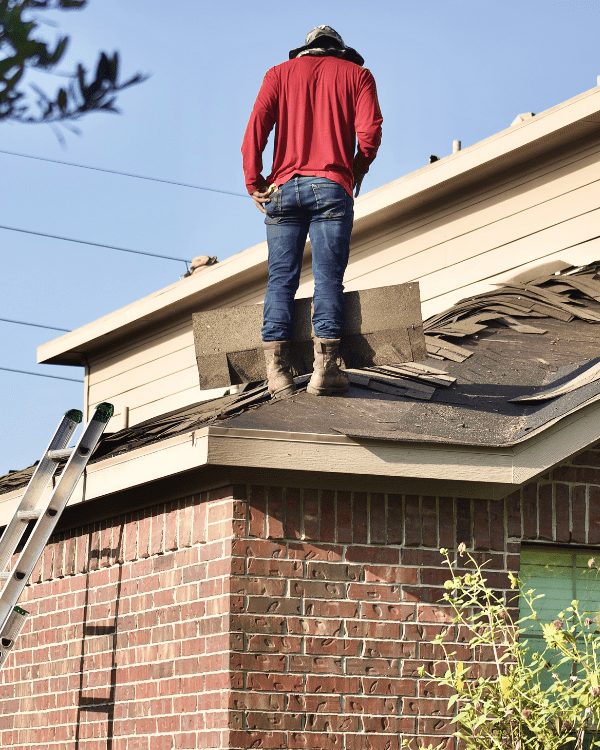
516, 342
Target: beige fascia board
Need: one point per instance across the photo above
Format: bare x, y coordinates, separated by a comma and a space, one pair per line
565, 437
565, 122
492, 469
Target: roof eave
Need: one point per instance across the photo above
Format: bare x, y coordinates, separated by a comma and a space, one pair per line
492, 472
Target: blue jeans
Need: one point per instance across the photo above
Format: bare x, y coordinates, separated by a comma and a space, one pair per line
322, 209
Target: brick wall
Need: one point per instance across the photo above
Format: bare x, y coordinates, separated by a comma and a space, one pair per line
127, 642
263, 617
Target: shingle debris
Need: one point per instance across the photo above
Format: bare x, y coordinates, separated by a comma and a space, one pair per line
560, 296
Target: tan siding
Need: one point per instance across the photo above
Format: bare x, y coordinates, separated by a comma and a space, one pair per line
156, 369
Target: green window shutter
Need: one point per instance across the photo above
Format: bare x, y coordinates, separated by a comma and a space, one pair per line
561, 576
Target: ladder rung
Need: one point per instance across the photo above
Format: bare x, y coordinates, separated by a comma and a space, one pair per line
58, 454
29, 515
4, 576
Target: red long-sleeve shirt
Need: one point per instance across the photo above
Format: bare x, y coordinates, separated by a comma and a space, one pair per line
318, 105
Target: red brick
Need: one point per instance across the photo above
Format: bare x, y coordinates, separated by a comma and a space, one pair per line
387, 686
446, 524
374, 592
273, 721
314, 626
264, 586
293, 514
328, 516
272, 663
344, 517
333, 571
381, 555
318, 589
390, 574
332, 646
276, 513
311, 514
327, 684
429, 521
463, 521
545, 512
315, 703
373, 667
310, 664
324, 608
276, 644
395, 724
513, 511
427, 613
434, 725
395, 520
382, 611
314, 740
144, 533
359, 518
283, 568
412, 522
312, 551
481, 526
246, 739
286, 683
390, 649
258, 548
372, 629
199, 531
318, 722
377, 524
372, 741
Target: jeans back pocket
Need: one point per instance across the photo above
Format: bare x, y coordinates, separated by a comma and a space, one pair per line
331, 199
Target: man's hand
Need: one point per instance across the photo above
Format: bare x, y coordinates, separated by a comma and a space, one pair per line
261, 196
358, 178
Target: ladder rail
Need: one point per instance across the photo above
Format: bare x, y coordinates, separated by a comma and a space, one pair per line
50, 514
42, 475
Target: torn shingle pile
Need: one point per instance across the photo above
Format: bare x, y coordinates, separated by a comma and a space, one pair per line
560, 296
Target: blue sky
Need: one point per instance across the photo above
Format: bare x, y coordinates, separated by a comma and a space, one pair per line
444, 70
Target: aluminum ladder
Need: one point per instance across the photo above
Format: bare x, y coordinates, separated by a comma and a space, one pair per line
12, 617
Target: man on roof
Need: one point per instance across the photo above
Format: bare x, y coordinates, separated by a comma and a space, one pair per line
324, 107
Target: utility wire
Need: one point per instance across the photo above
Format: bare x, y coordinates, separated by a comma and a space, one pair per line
125, 174
95, 244
35, 325
40, 374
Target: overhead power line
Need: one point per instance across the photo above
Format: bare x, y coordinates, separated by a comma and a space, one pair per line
95, 244
40, 374
35, 325
124, 174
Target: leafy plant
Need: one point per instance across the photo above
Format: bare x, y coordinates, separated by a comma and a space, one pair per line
22, 51
525, 696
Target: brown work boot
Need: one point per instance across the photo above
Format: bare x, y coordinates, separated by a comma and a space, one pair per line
327, 378
279, 370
